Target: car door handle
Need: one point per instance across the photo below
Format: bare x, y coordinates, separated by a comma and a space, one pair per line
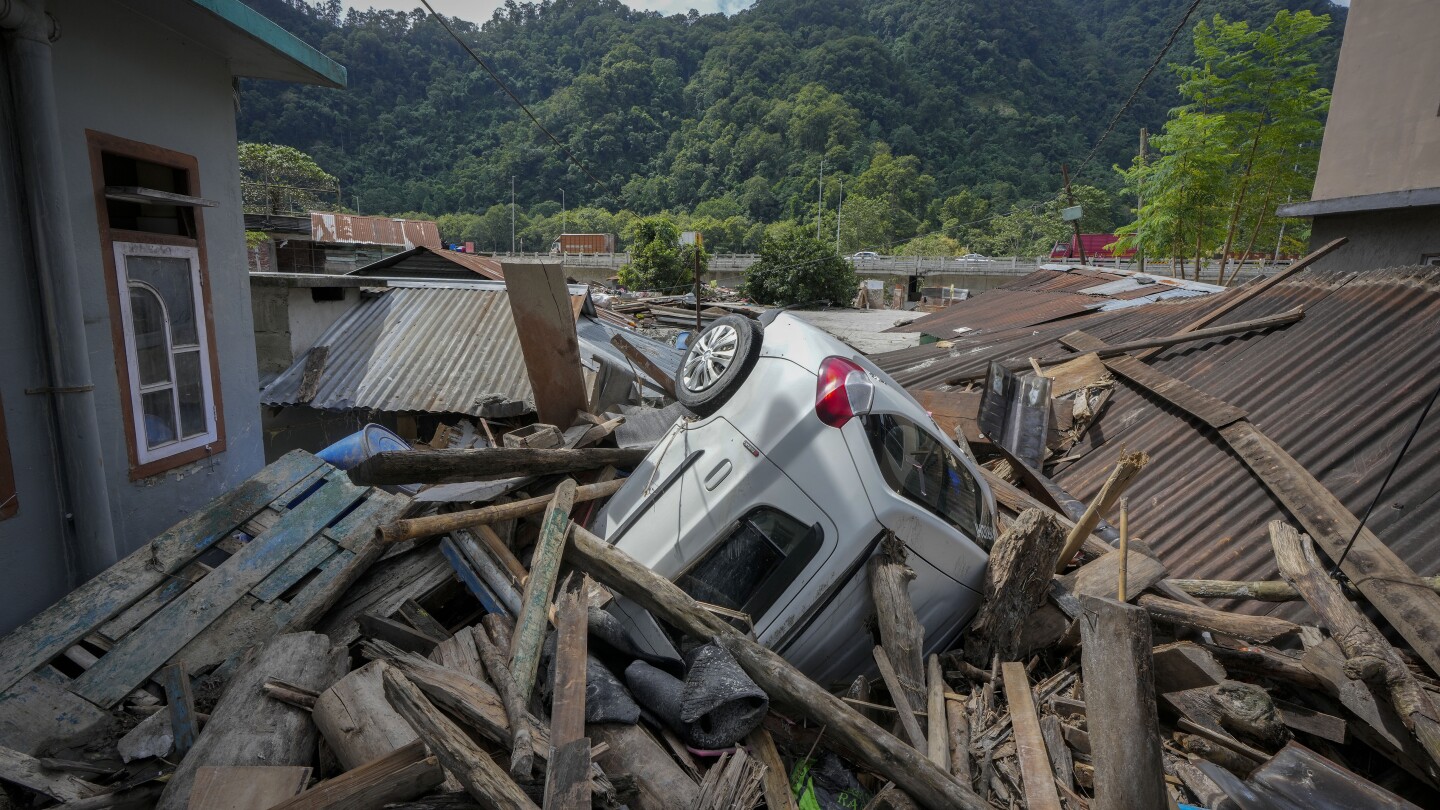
720, 473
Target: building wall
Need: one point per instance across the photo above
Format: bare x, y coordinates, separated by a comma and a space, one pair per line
1379, 239
288, 321
1383, 131
122, 75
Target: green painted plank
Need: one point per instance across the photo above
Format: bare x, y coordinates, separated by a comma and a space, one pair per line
147, 648
294, 569
87, 607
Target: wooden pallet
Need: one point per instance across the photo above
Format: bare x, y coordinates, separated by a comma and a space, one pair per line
268, 557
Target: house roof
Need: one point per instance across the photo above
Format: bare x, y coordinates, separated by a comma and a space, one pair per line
1052, 293
1339, 390
424, 261
439, 348
355, 229
254, 46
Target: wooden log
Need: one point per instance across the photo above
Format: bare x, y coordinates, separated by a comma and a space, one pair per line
634, 355
661, 783
432, 525
567, 777
937, 732
463, 466
357, 721
1246, 711
26, 771
901, 634
1264, 590
1129, 466
958, 722
1016, 582
1259, 629
1185, 665
908, 720
1238, 328
1120, 706
481, 777
1035, 771
248, 728
181, 704
1369, 657
1268, 663
531, 624
246, 787
1061, 764
405, 773
401, 635
522, 750
289, 693
778, 795
871, 746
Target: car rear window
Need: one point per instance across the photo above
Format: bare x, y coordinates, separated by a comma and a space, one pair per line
921, 470
748, 569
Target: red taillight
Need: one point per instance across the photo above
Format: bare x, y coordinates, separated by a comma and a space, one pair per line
843, 391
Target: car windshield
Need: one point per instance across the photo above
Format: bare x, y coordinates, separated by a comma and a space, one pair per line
919, 468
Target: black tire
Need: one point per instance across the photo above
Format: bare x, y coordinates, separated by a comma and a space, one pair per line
707, 386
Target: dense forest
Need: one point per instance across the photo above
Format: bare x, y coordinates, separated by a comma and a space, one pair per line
928, 115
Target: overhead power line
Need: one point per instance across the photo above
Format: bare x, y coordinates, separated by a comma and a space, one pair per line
511, 93
1124, 108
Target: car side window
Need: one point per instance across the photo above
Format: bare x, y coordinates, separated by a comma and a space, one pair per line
753, 563
917, 466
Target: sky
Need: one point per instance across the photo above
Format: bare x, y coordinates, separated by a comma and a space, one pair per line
479, 11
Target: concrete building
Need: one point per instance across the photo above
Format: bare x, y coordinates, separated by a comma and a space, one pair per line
326, 242
1379, 176
128, 381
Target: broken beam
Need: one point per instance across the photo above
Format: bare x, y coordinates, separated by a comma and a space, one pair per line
461, 466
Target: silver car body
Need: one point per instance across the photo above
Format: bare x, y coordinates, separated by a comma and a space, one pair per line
766, 449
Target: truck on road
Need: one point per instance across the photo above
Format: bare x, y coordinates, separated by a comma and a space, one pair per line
583, 243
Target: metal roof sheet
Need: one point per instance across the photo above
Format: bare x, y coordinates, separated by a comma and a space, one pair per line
424, 261
342, 229
439, 349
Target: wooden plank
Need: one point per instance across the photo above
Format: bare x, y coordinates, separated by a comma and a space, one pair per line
778, 795
522, 747
567, 776
431, 525
184, 724
499, 582
469, 577
1239, 327
39, 711
540, 306
1185, 665
158, 597
145, 650
1325, 726
634, 355
249, 787
459, 653
1390, 585
1100, 577
937, 731
1040, 792
897, 690
481, 777
660, 783
464, 466
81, 611
401, 635
420, 619
405, 773
26, 771
901, 633
1016, 581
1198, 404
247, 727
531, 624
294, 569
1123, 720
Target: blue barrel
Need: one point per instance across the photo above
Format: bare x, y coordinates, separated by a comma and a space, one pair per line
362, 444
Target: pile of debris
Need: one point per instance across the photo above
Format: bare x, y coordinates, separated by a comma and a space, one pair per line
679, 310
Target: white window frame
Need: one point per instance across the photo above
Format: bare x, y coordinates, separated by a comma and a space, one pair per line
143, 451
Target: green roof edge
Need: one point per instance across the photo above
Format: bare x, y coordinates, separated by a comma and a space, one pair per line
327, 70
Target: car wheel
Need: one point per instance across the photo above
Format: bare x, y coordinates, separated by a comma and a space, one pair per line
717, 363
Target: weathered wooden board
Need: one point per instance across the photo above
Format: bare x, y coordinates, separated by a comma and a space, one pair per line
383, 588
23, 769
250, 787
147, 648
540, 305
39, 709
403, 774
87, 607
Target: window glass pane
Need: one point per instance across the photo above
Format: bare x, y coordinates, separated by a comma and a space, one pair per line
171, 277
739, 565
191, 389
148, 323
919, 467
159, 409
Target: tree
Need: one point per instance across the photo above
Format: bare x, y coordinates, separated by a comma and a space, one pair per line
658, 261
796, 268
282, 180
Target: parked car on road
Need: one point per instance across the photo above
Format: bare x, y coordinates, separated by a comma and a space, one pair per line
801, 457
975, 257
865, 256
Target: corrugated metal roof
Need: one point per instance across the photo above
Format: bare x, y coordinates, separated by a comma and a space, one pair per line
344, 229
1339, 390
424, 261
438, 349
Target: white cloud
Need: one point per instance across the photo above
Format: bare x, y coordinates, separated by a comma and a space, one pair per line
479, 11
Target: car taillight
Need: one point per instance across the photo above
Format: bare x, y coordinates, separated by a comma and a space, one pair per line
843, 391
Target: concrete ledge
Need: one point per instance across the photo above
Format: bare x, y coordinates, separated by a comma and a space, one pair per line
1412, 198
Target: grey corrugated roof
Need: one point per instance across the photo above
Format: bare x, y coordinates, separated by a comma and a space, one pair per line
435, 348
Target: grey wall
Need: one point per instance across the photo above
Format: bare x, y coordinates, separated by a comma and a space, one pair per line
1378, 238
125, 76
288, 321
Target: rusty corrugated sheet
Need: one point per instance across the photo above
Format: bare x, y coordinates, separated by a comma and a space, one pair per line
343, 229
1339, 390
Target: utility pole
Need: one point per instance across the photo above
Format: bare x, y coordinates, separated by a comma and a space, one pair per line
838, 206
1140, 195
820, 199
1079, 243
564, 222
512, 214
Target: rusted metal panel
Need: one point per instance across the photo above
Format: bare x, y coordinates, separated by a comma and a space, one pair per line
343, 229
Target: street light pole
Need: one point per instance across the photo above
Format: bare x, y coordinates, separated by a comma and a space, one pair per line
838, 206
512, 214
564, 222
